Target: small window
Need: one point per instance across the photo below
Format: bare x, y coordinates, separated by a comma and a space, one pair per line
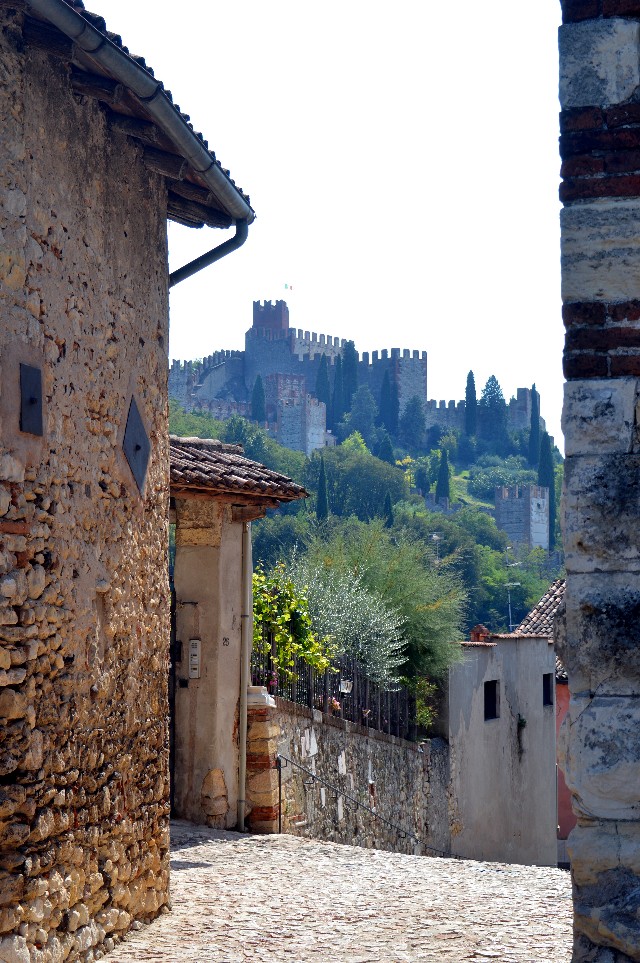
547, 689
491, 700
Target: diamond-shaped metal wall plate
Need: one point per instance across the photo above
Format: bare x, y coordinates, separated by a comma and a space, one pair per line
30, 399
136, 445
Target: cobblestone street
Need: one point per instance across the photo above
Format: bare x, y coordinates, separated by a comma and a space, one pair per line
263, 898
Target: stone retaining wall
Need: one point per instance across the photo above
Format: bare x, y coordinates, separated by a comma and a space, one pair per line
405, 783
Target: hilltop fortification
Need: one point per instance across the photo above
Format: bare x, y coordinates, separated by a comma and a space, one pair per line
287, 360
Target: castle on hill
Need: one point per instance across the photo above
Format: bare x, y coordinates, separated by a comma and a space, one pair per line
287, 359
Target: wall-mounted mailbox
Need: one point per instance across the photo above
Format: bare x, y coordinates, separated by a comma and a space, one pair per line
194, 658
30, 399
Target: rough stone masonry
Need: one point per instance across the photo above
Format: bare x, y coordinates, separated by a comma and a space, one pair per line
600, 145
83, 577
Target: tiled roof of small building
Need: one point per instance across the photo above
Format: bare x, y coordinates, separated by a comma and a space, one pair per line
540, 619
209, 466
192, 194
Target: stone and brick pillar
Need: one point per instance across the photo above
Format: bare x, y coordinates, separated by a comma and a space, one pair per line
263, 800
600, 146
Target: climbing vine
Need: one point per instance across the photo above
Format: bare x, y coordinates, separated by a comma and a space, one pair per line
282, 624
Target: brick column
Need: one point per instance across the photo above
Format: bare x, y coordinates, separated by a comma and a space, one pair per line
263, 805
600, 146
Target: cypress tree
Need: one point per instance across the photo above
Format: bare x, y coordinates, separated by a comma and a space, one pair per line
388, 511
493, 413
534, 429
470, 407
322, 502
385, 448
443, 488
323, 389
546, 477
349, 374
258, 402
337, 406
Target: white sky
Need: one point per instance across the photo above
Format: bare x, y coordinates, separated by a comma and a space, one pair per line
402, 161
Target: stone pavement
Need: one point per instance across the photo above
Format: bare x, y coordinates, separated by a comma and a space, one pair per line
272, 898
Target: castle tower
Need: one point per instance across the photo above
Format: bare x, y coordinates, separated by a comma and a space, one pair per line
271, 317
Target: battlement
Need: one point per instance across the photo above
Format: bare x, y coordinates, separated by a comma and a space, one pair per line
515, 492
205, 364
272, 317
392, 354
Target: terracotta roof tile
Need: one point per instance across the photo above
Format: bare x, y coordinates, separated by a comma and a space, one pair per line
208, 465
540, 619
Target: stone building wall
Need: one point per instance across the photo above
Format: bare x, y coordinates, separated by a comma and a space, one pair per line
405, 784
83, 581
522, 511
600, 146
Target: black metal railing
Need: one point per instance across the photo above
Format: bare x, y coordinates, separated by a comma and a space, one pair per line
346, 692
397, 834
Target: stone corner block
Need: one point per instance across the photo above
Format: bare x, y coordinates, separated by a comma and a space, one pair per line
600, 250
602, 760
598, 416
601, 507
599, 62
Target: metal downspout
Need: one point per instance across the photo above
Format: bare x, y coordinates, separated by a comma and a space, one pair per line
232, 244
246, 641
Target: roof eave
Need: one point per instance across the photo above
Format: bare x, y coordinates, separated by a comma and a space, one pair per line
123, 69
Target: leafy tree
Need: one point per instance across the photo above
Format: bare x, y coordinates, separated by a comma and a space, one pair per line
276, 536
356, 481
337, 401
400, 570
322, 502
282, 624
388, 511
412, 423
323, 388
258, 402
422, 476
546, 477
384, 450
492, 411
349, 373
470, 407
355, 443
534, 429
362, 417
443, 486
192, 424
358, 621
491, 471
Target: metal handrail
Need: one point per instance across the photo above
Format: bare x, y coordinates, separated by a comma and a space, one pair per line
403, 833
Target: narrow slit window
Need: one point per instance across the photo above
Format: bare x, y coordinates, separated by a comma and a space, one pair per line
491, 700
547, 689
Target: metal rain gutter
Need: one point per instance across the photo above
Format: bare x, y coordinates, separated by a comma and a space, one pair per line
149, 91
231, 244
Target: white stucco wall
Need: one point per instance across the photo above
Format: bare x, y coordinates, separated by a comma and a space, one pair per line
207, 579
503, 783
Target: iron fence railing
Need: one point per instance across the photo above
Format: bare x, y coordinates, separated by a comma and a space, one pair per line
313, 781
347, 693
